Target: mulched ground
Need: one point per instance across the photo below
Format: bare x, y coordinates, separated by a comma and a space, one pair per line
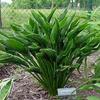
27, 88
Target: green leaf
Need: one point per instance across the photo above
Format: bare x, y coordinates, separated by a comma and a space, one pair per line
34, 47
31, 22
93, 98
55, 33
86, 87
37, 38
40, 21
97, 70
62, 16
16, 27
51, 14
48, 51
15, 45
44, 17
67, 23
2, 47
5, 88
97, 84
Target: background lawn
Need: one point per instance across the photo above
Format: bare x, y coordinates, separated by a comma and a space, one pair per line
21, 16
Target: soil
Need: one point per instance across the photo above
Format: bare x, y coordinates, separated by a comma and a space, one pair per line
27, 88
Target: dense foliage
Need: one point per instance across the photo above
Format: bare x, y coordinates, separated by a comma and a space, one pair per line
39, 3
26, 4
50, 48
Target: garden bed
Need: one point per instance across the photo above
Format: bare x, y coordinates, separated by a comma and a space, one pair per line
26, 88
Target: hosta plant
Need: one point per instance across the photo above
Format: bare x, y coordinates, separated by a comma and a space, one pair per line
48, 47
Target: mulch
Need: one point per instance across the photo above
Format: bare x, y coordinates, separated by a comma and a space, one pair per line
27, 88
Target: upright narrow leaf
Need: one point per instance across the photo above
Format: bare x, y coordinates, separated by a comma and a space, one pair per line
62, 16
51, 14
55, 32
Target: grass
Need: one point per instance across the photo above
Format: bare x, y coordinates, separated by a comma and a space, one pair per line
21, 16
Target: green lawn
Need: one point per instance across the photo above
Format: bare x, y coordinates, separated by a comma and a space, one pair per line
21, 16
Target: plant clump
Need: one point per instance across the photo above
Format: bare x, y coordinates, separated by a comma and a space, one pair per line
50, 48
